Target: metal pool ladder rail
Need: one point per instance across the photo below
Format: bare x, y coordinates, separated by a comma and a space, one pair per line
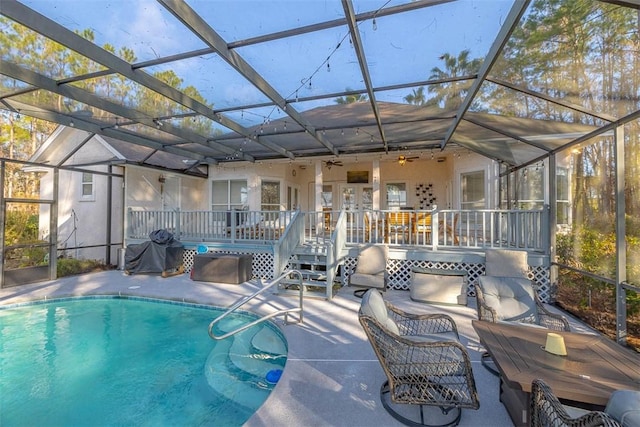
246, 299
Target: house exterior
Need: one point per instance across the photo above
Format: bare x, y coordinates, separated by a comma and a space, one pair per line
85, 197
106, 184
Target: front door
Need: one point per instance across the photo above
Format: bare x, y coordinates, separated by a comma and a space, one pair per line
355, 198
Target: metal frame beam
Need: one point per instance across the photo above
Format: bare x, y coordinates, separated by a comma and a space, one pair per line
56, 32
203, 30
80, 95
516, 12
364, 67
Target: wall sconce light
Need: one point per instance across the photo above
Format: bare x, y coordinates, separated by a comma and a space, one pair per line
162, 179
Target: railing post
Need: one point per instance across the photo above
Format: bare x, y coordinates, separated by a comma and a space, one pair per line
435, 229
177, 222
546, 229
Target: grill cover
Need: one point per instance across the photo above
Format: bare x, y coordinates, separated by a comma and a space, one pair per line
161, 254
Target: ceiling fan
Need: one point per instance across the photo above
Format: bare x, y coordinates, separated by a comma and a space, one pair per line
404, 159
330, 163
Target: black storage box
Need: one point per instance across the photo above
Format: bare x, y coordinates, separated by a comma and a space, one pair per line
222, 268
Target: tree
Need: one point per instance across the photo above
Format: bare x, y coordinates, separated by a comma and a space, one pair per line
350, 99
416, 97
450, 95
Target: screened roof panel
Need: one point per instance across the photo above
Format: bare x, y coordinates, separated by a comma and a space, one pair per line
243, 19
505, 101
563, 50
45, 56
329, 66
9, 85
143, 26
408, 47
289, 79
213, 79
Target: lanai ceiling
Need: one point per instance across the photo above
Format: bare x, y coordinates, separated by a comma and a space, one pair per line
230, 81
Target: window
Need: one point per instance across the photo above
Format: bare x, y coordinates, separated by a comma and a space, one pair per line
531, 188
562, 196
270, 200
396, 195
228, 194
472, 184
87, 186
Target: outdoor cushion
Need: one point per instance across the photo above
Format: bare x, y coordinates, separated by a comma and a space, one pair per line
444, 336
373, 305
511, 297
624, 406
367, 280
506, 263
372, 260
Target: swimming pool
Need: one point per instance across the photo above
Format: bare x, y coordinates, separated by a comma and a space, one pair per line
131, 361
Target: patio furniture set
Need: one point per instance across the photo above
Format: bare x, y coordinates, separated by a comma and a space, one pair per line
429, 380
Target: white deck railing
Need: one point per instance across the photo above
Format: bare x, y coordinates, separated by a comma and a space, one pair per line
424, 228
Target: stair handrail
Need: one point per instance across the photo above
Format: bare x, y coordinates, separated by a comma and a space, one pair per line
246, 299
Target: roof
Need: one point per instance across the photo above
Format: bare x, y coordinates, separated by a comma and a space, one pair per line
228, 81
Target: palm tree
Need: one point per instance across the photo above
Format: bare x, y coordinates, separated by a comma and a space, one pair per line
416, 97
350, 99
451, 94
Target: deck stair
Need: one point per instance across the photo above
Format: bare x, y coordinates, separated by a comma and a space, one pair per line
310, 258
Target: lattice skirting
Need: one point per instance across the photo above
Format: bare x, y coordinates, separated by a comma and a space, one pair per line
262, 266
399, 271
400, 274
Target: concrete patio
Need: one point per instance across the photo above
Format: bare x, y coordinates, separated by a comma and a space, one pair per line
332, 377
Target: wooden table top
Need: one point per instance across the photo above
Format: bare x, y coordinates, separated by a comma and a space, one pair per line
594, 367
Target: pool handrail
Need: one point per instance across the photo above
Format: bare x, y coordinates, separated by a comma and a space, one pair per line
246, 299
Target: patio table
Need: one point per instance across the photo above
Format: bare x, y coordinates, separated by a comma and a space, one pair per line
593, 368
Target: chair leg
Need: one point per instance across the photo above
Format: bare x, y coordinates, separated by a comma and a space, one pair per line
385, 398
359, 293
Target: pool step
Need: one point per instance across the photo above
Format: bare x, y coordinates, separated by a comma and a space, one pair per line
245, 357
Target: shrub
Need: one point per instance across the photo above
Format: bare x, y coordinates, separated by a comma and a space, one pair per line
71, 266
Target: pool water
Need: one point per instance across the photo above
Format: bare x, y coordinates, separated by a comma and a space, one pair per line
131, 361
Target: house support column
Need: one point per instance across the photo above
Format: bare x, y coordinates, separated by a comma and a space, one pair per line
621, 249
107, 256
53, 227
552, 218
318, 188
375, 172
3, 217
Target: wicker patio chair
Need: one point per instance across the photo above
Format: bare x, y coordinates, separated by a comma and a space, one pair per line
423, 360
506, 293
547, 411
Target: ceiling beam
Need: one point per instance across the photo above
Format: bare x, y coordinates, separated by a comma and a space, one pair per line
203, 30
584, 138
80, 95
505, 133
540, 95
88, 126
512, 19
364, 67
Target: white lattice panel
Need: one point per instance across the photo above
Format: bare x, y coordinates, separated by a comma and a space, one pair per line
400, 274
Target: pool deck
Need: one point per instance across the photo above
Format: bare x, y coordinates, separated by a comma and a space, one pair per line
332, 377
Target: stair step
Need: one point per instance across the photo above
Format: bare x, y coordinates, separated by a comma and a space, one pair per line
245, 357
